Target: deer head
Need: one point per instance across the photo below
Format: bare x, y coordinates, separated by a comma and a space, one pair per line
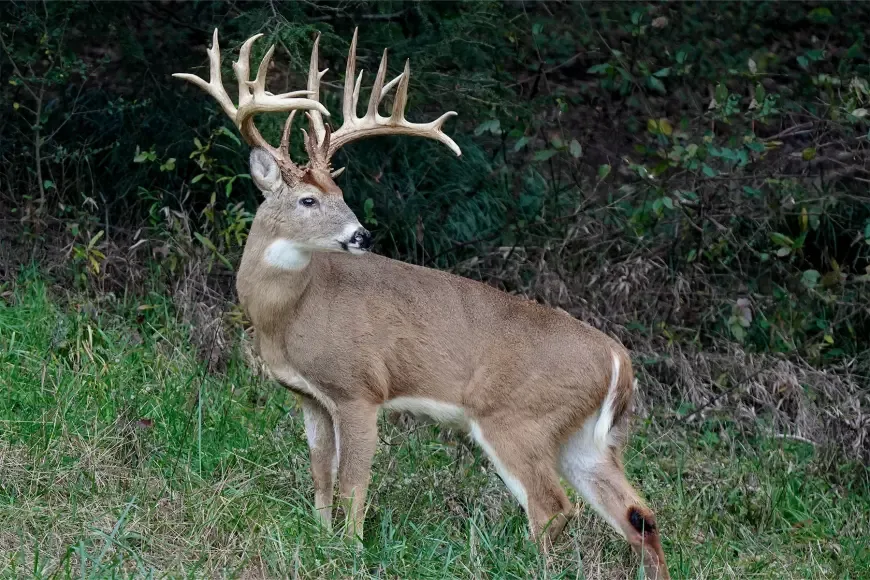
303, 207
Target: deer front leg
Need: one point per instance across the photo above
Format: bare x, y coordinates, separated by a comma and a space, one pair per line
324, 457
357, 440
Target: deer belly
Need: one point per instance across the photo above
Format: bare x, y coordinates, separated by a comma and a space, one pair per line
297, 383
439, 411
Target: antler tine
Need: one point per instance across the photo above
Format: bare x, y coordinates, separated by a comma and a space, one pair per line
348, 108
285, 135
355, 101
242, 68
314, 76
377, 88
215, 85
389, 86
401, 99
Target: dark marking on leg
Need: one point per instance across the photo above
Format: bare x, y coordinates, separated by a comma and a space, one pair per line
645, 525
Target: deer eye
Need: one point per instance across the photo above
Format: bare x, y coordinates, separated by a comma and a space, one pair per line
308, 201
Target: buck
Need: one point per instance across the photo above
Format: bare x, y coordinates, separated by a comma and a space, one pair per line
353, 332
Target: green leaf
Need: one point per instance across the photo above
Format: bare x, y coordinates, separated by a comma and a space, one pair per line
656, 85
197, 178
48, 184
665, 127
867, 232
720, 94
781, 240
822, 15
760, 93
230, 134
368, 209
604, 171
708, 171
197, 142
803, 61
95, 239
602, 68
210, 246
544, 154
756, 146
490, 125
681, 57
810, 278
751, 191
738, 332
662, 73
575, 149
521, 142
808, 154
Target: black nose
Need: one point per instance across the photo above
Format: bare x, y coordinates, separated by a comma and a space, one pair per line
362, 238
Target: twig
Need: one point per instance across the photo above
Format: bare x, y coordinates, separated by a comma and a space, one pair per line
792, 131
794, 437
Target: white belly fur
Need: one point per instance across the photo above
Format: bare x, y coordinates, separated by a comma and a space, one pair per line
291, 378
439, 411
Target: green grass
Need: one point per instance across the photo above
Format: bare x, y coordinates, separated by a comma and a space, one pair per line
120, 456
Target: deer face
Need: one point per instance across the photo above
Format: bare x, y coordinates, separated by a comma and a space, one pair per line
309, 216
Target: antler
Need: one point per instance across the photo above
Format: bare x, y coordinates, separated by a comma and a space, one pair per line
253, 98
322, 143
372, 123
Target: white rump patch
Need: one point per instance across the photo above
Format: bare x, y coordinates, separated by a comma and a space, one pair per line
605, 416
436, 410
580, 461
512, 483
583, 454
286, 255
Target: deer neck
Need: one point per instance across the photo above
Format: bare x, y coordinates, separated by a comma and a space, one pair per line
273, 277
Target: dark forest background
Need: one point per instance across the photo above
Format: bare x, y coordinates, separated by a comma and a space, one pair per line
691, 177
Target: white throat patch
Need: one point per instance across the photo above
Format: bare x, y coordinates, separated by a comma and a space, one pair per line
286, 255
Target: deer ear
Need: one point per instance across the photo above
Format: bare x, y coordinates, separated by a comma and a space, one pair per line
265, 172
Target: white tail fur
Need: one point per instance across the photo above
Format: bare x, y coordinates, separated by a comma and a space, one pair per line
605, 416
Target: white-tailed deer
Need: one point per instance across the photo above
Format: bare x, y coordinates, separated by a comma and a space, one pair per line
542, 393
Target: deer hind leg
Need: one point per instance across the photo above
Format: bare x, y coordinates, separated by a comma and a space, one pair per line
324, 457
597, 474
357, 440
530, 474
